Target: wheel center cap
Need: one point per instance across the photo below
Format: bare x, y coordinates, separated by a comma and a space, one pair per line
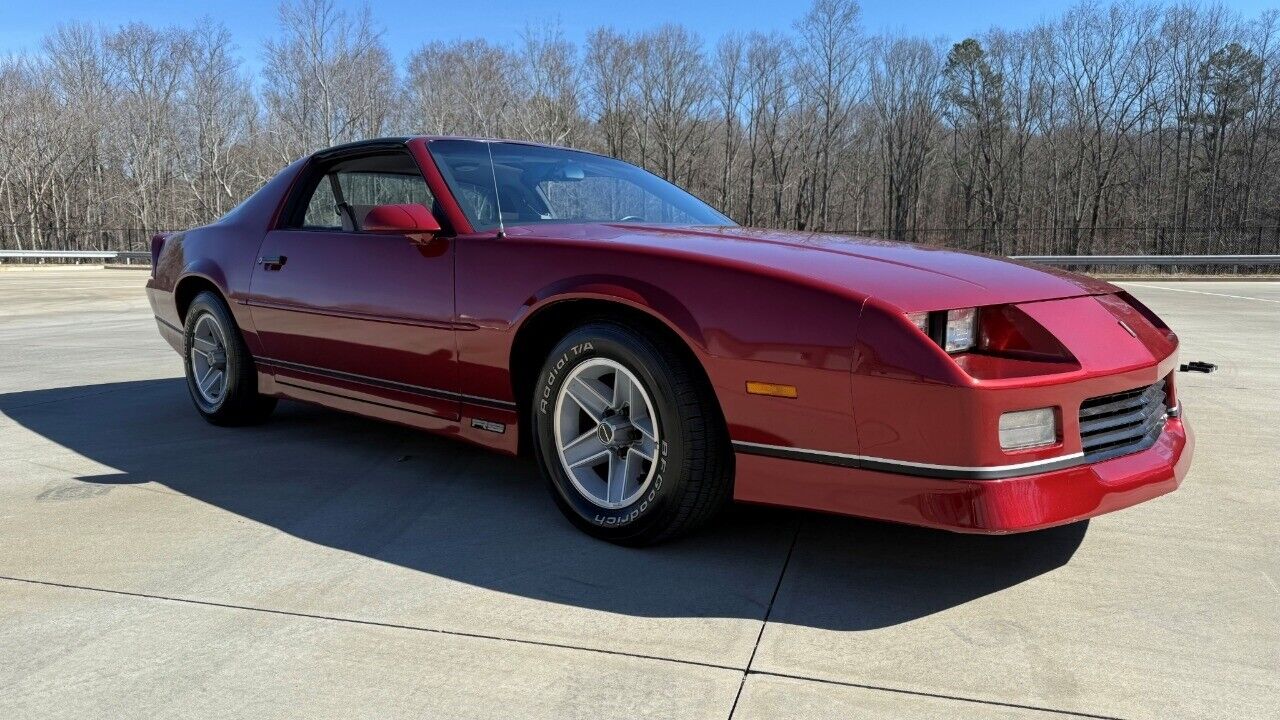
616, 432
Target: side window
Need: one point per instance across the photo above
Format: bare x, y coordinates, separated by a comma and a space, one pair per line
363, 183
379, 188
322, 209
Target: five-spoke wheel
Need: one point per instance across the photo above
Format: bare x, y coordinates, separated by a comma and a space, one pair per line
209, 358
220, 371
607, 433
628, 433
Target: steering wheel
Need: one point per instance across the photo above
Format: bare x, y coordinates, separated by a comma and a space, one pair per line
631, 218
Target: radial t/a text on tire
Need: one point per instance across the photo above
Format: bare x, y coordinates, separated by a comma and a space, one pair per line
628, 436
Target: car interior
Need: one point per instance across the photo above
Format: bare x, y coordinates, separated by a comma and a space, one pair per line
342, 193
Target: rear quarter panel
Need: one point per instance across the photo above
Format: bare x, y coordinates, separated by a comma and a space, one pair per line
223, 253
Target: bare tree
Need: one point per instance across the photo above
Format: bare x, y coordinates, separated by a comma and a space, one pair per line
1106, 61
673, 91
216, 121
328, 80
1124, 127
769, 94
552, 109
463, 88
610, 75
906, 79
829, 51
730, 88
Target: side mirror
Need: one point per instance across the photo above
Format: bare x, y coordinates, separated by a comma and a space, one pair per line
407, 218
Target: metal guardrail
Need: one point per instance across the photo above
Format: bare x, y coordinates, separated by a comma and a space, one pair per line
125, 255
105, 256
1156, 260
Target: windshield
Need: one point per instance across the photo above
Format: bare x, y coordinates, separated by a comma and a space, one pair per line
551, 185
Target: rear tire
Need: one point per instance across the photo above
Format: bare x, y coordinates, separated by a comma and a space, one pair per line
221, 376
640, 480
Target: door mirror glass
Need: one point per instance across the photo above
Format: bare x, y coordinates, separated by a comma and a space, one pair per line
405, 218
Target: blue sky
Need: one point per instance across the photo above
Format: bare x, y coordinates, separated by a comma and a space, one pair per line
408, 23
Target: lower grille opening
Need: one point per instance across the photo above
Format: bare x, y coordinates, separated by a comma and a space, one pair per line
1122, 423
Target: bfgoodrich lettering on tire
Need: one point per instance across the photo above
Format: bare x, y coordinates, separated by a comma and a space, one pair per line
628, 436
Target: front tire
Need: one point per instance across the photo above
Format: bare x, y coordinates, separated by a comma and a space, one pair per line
221, 376
629, 437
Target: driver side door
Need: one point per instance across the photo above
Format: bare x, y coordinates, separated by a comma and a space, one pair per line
367, 317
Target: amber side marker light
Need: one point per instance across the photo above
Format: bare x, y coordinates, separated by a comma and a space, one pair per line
764, 388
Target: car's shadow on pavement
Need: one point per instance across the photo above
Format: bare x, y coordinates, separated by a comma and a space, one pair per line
458, 512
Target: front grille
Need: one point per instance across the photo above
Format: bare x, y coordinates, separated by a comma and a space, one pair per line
1122, 423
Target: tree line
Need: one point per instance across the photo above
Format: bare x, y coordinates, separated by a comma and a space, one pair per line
1111, 128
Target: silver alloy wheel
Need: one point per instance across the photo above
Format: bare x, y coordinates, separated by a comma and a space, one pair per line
209, 359
606, 433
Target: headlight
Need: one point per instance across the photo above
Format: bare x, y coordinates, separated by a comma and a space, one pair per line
961, 331
1028, 428
954, 330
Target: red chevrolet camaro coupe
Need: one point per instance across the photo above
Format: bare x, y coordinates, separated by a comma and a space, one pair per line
658, 360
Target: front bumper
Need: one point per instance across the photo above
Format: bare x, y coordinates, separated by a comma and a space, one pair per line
1017, 504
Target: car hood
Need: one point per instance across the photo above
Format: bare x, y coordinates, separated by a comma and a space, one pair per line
911, 277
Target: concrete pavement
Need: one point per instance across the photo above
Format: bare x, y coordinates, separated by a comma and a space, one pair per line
327, 566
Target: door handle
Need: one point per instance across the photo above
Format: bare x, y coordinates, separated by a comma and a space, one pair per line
272, 263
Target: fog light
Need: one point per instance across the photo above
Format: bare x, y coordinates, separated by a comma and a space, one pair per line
1028, 428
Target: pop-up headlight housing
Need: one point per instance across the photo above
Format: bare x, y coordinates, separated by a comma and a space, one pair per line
994, 341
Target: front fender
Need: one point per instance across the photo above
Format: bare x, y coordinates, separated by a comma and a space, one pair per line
632, 292
741, 323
